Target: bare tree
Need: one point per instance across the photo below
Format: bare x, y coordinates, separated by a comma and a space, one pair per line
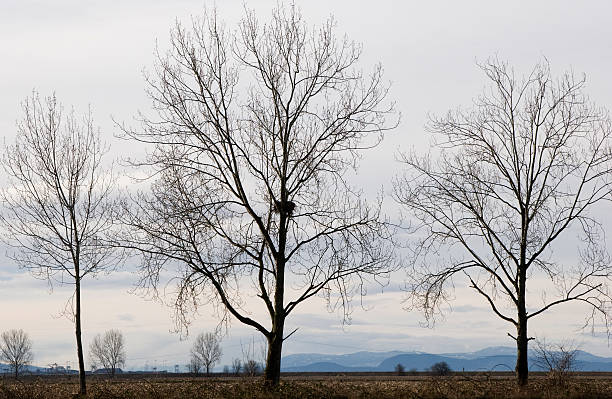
515, 175
16, 350
58, 206
206, 350
108, 350
257, 133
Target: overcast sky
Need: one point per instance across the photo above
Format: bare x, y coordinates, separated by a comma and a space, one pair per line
94, 52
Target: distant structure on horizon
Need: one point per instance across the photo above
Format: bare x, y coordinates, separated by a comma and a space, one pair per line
108, 371
54, 368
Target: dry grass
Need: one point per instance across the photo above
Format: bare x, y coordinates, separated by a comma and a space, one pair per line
456, 387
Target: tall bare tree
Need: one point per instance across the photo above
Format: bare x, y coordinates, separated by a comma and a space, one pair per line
515, 178
108, 350
206, 351
16, 350
256, 135
58, 207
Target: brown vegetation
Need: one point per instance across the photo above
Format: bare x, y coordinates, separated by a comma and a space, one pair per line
338, 386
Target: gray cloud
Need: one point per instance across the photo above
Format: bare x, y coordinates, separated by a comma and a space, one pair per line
468, 309
126, 317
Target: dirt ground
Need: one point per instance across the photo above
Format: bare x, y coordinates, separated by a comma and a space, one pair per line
313, 385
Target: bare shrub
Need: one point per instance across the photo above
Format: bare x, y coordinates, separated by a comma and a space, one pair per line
558, 359
194, 366
440, 369
236, 366
251, 368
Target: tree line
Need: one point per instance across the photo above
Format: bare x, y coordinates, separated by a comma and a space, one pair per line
107, 353
106, 350
250, 153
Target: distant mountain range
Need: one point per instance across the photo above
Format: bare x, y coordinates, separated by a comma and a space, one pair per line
499, 358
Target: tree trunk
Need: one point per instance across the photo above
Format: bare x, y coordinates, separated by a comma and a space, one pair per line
77, 322
275, 338
522, 363
522, 366
273, 361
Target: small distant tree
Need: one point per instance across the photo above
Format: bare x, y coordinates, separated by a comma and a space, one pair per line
440, 369
226, 370
399, 369
558, 359
236, 366
108, 350
206, 351
16, 350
